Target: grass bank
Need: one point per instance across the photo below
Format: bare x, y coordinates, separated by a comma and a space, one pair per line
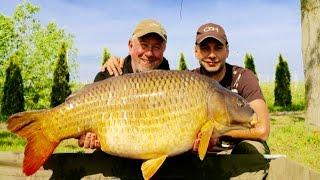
13, 143
290, 135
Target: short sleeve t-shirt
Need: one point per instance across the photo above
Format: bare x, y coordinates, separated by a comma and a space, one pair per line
240, 80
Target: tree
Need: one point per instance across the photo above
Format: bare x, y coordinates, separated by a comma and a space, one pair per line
105, 55
182, 63
6, 37
60, 88
7, 34
37, 47
249, 63
13, 100
310, 23
282, 91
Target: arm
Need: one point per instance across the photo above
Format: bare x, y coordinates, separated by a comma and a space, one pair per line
259, 132
262, 128
249, 88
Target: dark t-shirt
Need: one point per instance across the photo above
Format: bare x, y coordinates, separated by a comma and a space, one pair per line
127, 68
240, 80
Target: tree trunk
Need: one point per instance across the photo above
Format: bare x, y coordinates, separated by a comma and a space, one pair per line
310, 23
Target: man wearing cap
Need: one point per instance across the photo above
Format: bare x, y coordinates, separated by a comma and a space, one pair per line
146, 48
212, 50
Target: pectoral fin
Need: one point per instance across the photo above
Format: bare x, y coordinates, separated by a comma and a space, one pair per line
206, 132
150, 167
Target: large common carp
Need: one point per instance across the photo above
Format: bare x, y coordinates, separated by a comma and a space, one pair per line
147, 116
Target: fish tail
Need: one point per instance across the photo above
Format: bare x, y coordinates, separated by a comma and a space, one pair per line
39, 147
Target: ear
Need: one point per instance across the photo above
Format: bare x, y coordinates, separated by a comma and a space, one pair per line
164, 46
196, 51
130, 44
227, 49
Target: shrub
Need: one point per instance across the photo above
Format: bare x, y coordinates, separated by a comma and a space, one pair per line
60, 88
105, 55
282, 91
249, 63
12, 100
182, 63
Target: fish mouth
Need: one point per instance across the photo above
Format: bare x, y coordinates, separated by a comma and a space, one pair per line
244, 125
254, 120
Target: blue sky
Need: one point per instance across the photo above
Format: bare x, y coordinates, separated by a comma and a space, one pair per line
263, 28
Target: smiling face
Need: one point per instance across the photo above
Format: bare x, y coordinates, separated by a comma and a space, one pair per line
212, 55
146, 52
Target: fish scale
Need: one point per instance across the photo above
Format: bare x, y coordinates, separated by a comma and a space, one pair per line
148, 116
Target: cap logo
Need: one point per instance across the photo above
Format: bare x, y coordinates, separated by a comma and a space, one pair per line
210, 28
154, 24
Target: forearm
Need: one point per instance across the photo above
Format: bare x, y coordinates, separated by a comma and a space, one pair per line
256, 133
262, 128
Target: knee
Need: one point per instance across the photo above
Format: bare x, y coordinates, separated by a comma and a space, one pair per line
250, 147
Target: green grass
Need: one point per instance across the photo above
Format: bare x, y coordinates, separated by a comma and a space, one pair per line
297, 93
290, 135
10, 142
3, 118
13, 143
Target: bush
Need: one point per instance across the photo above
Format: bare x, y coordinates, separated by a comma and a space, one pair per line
249, 63
182, 63
282, 91
12, 100
60, 88
3, 118
105, 55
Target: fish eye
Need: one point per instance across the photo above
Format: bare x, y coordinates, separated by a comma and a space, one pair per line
240, 103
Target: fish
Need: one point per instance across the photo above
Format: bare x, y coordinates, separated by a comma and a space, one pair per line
149, 116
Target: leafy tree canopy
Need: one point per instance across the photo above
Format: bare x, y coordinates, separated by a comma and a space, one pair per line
38, 47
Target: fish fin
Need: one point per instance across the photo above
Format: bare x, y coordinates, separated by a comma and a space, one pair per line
39, 147
206, 132
150, 167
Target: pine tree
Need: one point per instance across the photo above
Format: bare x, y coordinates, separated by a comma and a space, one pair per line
105, 56
12, 100
282, 91
60, 88
249, 63
182, 63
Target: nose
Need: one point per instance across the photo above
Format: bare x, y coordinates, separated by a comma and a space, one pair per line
149, 53
212, 54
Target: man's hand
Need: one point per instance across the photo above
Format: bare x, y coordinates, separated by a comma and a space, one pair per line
89, 140
114, 66
212, 143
